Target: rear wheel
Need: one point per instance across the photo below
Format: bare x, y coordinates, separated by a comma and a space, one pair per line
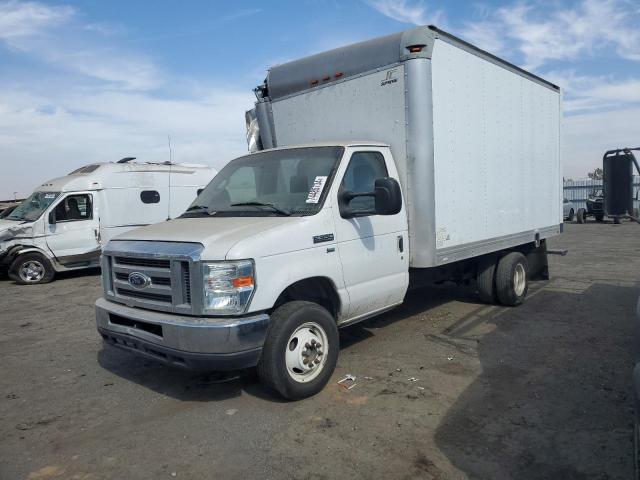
301, 350
31, 268
512, 279
582, 215
570, 217
486, 280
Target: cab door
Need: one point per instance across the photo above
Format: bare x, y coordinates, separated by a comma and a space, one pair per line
72, 229
373, 248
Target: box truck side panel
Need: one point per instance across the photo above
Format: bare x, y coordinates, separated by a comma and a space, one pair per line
366, 107
496, 154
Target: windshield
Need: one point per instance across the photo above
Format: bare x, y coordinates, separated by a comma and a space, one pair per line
597, 193
282, 182
33, 206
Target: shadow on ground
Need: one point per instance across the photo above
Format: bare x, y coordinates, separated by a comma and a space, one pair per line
213, 386
554, 396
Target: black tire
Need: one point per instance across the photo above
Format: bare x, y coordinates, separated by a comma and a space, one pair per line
582, 215
273, 370
486, 280
616, 220
512, 279
599, 218
42, 270
570, 217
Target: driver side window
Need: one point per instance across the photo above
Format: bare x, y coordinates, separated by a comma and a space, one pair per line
74, 208
363, 170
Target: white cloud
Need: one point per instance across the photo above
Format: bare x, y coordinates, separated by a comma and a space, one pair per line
48, 135
92, 98
542, 33
20, 19
407, 11
56, 36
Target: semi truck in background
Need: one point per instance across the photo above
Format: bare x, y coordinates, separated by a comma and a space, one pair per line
65, 222
403, 160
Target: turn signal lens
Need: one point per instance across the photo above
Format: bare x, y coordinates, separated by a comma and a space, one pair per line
243, 282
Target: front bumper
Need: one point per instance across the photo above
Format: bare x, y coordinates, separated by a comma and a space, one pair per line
200, 343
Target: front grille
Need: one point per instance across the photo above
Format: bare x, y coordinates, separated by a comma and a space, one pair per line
143, 262
168, 267
156, 297
186, 283
154, 280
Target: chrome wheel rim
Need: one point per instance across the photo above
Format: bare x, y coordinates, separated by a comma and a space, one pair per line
307, 351
519, 279
31, 271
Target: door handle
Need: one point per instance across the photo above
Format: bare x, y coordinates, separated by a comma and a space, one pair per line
400, 243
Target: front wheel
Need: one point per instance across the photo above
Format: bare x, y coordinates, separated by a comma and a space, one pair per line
31, 268
301, 350
582, 215
512, 279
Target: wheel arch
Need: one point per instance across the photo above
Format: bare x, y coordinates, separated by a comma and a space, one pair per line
320, 290
15, 251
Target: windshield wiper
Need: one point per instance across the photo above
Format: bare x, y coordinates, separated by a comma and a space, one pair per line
197, 211
261, 204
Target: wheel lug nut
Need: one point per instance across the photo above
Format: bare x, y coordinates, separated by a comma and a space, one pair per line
307, 345
317, 360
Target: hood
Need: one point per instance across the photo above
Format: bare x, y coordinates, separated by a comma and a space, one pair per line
217, 235
10, 229
238, 237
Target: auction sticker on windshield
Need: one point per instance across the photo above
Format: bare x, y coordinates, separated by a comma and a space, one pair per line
316, 189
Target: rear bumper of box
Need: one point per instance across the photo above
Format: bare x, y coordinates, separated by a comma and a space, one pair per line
189, 342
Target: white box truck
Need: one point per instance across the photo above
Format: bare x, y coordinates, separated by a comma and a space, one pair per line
65, 221
410, 158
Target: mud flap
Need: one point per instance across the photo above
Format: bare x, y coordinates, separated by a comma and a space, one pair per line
538, 262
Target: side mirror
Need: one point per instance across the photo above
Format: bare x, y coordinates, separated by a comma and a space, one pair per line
387, 196
52, 217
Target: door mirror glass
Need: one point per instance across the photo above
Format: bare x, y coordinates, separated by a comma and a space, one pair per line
388, 196
52, 217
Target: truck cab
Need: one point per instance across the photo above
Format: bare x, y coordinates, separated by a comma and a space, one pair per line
320, 229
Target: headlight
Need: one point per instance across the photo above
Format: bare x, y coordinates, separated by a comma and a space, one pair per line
227, 286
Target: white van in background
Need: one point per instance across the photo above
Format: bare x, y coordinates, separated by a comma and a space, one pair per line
64, 223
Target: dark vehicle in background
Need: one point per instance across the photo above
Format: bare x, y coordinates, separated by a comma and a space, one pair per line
595, 206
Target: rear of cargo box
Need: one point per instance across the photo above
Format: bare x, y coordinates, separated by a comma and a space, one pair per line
476, 140
497, 165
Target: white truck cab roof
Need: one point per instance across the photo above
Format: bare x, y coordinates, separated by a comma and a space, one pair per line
98, 176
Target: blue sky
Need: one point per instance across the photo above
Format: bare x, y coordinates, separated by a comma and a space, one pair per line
85, 81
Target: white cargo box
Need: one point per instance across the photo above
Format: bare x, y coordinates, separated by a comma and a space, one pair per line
476, 139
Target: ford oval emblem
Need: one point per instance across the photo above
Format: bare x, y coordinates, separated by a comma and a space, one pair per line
139, 280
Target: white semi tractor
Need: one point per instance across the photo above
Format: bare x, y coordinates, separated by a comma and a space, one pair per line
405, 159
64, 223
